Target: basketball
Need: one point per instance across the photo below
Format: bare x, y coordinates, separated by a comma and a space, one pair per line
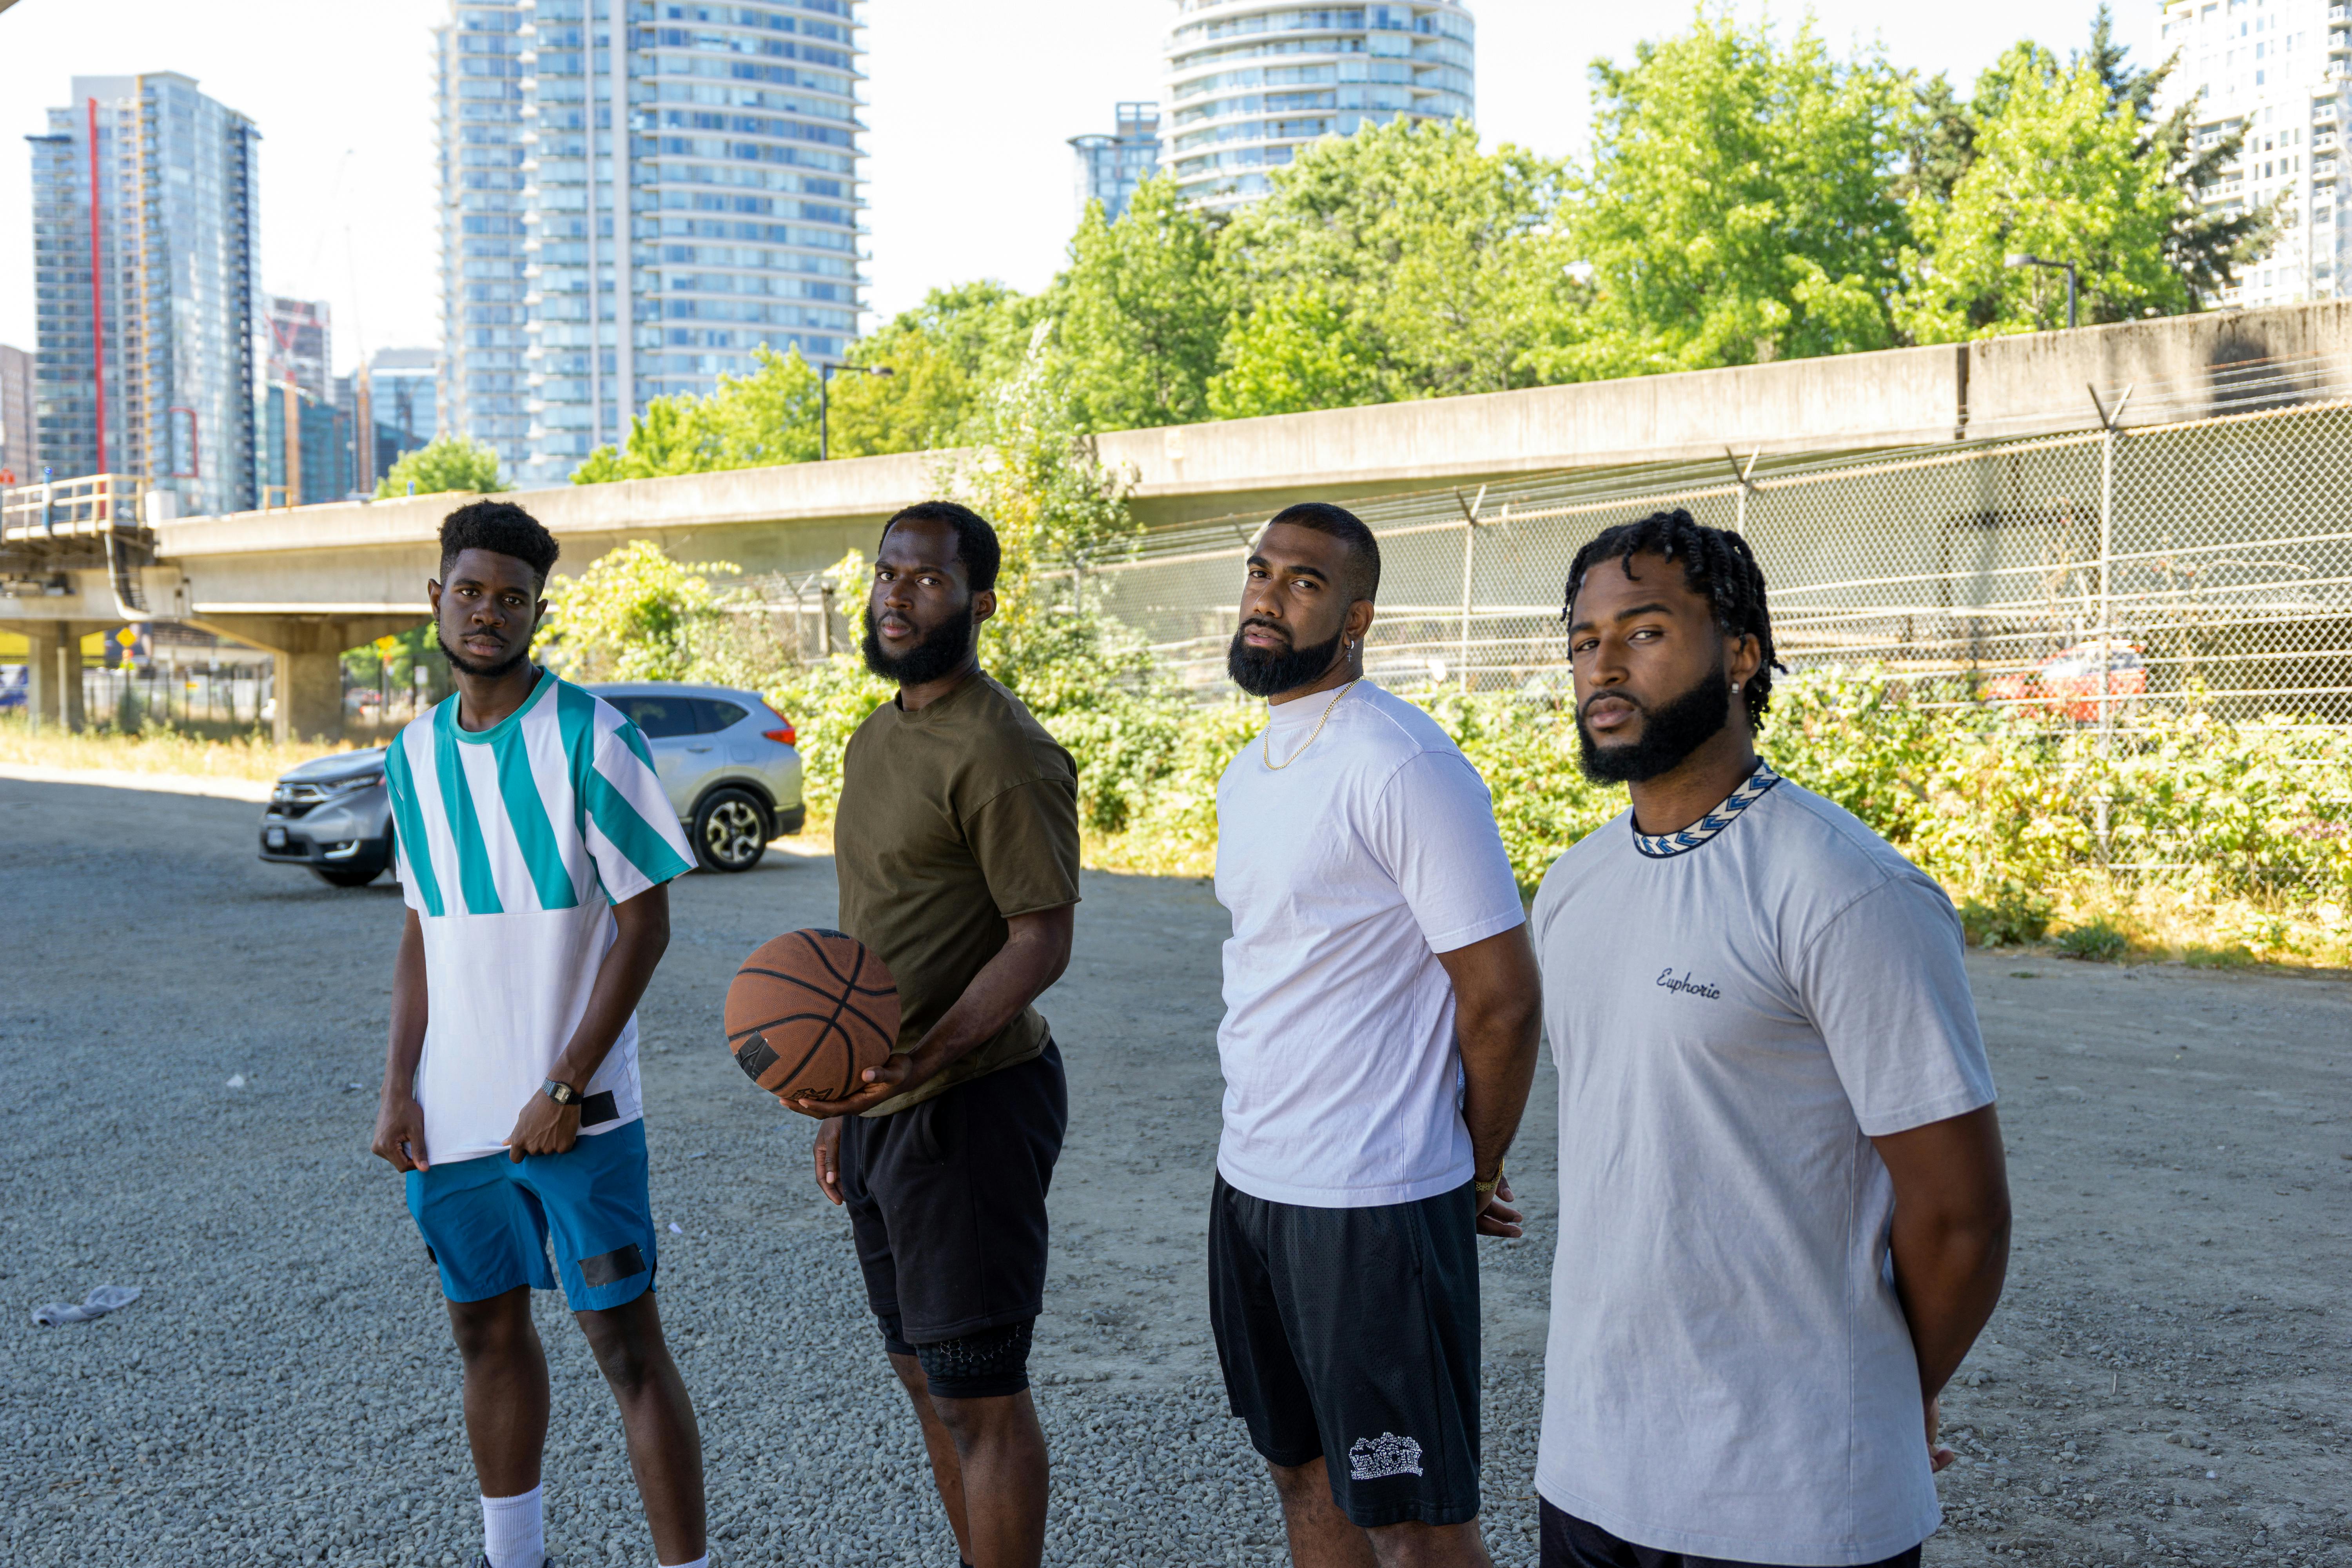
809, 1012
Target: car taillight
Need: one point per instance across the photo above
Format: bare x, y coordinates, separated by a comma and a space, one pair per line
783, 734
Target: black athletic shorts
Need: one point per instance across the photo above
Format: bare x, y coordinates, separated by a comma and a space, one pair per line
1353, 1334
1569, 1543
947, 1200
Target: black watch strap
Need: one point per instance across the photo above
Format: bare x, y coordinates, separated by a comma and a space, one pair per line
562, 1093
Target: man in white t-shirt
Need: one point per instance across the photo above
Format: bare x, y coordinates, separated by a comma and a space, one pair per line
1783, 1212
1378, 1042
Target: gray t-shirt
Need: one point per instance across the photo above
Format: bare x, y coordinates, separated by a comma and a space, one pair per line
1735, 1012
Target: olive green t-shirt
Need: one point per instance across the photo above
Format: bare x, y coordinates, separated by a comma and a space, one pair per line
953, 819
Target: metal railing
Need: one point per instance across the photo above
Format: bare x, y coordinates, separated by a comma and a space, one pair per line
62, 509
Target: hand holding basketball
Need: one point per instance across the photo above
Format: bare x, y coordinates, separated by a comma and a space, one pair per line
810, 1018
886, 1081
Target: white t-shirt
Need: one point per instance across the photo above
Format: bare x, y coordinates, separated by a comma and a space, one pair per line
1346, 872
1734, 1013
514, 843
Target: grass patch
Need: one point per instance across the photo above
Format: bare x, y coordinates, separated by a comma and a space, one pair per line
156, 749
2095, 941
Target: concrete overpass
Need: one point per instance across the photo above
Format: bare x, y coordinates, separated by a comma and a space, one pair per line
310, 583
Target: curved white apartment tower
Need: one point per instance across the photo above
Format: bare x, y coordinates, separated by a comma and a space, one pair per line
1249, 80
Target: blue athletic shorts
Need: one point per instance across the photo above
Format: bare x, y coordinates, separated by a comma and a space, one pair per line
487, 1222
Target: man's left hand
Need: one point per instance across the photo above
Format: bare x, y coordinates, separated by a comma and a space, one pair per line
1498, 1218
543, 1128
892, 1078
1938, 1457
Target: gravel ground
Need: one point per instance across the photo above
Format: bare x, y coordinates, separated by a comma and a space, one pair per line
285, 1390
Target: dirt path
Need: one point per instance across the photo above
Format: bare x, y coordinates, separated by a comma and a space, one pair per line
2180, 1149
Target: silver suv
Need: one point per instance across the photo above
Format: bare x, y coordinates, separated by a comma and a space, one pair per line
730, 764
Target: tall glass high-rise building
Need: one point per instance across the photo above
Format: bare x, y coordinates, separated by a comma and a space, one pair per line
479, 70
731, 186
1251, 80
142, 266
1110, 167
2281, 72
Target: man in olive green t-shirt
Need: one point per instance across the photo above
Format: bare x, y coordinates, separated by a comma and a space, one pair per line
956, 844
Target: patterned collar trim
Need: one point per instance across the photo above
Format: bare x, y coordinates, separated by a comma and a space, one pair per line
1666, 846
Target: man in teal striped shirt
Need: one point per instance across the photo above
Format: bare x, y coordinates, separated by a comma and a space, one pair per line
535, 848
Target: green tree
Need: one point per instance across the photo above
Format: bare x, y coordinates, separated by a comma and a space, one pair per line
1138, 313
1736, 207
1294, 351
2207, 250
1402, 261
2055, 172
756, 421
634, 615
444, 463
2067, 161
945, 356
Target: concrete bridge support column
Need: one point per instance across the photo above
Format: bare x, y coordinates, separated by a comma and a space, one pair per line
55, 663
308, 651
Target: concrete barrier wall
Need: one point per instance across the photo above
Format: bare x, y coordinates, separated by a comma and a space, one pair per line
344, 559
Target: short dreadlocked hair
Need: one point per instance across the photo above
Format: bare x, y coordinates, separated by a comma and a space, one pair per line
1717, 565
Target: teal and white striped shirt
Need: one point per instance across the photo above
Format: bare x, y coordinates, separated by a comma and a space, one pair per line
514, 842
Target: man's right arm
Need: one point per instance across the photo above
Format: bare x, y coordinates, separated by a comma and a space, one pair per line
399, 1119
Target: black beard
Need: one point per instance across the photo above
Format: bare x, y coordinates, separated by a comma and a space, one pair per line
475, 666
1269, 674
1670, 733
946, 646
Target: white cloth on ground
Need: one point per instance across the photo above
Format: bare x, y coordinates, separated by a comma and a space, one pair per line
96, 1304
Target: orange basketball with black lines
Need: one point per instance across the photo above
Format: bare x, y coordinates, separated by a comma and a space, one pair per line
809, 1012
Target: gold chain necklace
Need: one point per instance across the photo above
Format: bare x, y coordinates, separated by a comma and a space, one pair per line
1269, 737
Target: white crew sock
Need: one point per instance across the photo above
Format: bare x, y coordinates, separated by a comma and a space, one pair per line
514, 1530
701, 1561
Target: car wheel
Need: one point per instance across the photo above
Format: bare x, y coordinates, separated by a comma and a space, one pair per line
731, 831
347, 875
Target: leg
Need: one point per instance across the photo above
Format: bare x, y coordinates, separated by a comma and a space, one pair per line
1430, 1546
506, 1389
664, 1446
1000, 1455
947, 1472
1321, 1535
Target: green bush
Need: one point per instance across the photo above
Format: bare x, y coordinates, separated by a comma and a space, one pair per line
2004, 808
2096, 940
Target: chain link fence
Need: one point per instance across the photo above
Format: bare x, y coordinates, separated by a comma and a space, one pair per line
2096, 577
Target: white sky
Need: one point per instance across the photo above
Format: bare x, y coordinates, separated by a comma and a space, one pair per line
970, 108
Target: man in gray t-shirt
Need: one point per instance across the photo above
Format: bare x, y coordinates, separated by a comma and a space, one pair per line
1783, 1212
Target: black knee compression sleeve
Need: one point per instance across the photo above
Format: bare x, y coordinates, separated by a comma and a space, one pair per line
983, 1365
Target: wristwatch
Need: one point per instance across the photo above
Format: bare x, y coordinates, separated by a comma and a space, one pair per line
562, 1093
1485, 1190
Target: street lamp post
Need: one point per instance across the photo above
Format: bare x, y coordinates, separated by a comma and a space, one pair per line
2018, 259
824, 401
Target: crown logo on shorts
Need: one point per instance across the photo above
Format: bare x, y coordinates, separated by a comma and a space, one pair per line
1386, 1455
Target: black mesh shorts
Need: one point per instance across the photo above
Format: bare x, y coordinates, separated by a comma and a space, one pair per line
946, 1201
1352, 1334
